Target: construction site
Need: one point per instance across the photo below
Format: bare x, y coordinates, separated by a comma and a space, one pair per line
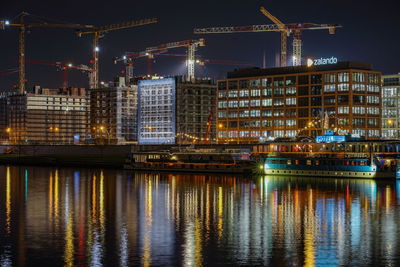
119, 112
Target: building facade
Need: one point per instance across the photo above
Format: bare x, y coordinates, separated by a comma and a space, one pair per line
194, 104
113, 114
255, 104
390, 106
49, 116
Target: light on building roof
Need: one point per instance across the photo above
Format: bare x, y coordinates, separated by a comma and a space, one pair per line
97, 49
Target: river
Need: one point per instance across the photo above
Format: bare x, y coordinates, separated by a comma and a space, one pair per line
81, 217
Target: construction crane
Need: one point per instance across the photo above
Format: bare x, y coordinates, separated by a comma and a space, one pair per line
284, 29
23, 26
99, 32
150, 52
64, 67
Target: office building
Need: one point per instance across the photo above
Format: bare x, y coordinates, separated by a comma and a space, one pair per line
48, 116
390, 106
256, 104
113, 114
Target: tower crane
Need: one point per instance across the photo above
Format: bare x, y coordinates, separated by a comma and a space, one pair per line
150, 52
284, 29
99, 32
64, 67
23, 26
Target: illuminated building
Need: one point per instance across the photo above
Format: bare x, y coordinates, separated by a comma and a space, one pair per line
4, 94
172, 111
48, 116
299, 101
390, 106
113, 114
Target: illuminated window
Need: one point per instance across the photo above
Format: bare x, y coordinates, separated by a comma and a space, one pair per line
255, 103
371, 99
222, 104
266, 82
290, 123
267, 113
267, 92
255, 133
222, 114
359, 77
278, 102
233, 93
244, 93
244, 114
232, 114
279, 133
244, 103
343, 110
358, 110
255, 123
267, 123
254, 92
290, 90
255, 83
233, 104
244, 134
343, 87
255, 113
330, 78
267, 102
290, 101
343, 77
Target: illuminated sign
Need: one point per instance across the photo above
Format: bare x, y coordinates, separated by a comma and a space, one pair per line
321, 61
330, 139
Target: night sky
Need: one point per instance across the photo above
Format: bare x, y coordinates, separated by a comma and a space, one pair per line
370, 33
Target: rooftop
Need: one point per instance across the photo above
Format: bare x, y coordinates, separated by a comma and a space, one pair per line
255, 72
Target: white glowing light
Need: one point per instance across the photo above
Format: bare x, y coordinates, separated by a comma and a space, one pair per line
7, 22
97, 49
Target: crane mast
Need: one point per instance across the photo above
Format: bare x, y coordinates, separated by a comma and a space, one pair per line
284, 29
98, 32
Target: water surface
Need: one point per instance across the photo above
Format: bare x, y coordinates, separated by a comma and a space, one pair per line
81, 217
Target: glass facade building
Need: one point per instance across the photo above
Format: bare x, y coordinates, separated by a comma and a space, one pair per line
390, 106
256, 104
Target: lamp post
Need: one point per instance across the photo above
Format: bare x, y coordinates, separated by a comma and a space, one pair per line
102, 128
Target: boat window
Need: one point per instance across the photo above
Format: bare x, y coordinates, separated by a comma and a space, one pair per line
289, 162
316, 162
308, 162
297, 162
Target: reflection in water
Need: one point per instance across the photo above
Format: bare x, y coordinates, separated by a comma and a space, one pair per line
88, 217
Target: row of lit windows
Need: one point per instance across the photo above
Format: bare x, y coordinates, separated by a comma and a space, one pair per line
359, 77
282, 133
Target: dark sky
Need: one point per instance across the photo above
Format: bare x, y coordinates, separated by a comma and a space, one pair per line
370, 33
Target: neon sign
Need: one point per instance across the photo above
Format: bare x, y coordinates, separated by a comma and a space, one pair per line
321, 61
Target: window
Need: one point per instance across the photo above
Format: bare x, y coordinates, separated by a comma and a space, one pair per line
372, 111
232, 114
266, 123
329, 88
280, 133
267, 113
316, 79
358, 110
244, 114
244, 134
255, 83
279, 91
358, 99
303, 91
243, 84
329, 100
371, 99
233, 134
267, 92
255, 113
232, 85
222, 114
343, 77
278, 81
330, 78
290, 123
373, 122
255, 133
290, 101
343, 87
358, 122
279, 113
373, 78
243, 124
316, 101
358, 87
373, 88
359, 132
255, 103
290, 80
232, 94
358, 77
290, 90
343, 110
291, 133
343, 122
222, 134
267, 133
243, 103
303, 112
267, 102
221, 94
291, 113
266, 82
279, 123
244, 93
389, 92
278, 102
222, 104
222, 86
303, 79
303, 102
343, 99
316, 89
254, 123
233, 104
254, 92
389, 102
373, 133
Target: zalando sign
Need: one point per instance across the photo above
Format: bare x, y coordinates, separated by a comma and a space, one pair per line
321, 61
